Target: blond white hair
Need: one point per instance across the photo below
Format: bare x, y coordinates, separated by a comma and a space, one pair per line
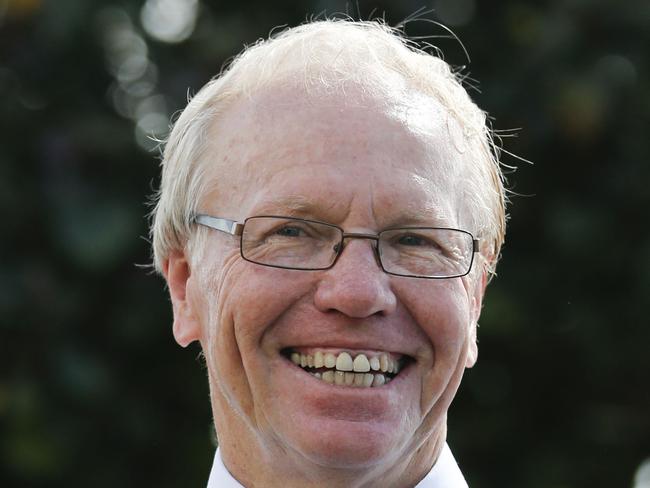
327, 54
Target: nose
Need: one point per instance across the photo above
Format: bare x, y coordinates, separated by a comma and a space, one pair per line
356, 285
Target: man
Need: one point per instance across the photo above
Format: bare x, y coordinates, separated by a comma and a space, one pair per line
330, 210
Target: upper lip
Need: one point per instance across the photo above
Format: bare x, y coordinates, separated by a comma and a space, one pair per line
351, 345
353, 335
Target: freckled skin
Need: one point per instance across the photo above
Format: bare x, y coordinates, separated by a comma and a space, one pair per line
362, 166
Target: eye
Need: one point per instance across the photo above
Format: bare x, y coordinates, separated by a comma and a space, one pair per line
290, 231
413, 240
417, 242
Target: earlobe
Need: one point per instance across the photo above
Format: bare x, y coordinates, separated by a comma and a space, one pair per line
177, 271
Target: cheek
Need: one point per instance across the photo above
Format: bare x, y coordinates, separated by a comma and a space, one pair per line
216, 290
259, 297
241, 342
443, 317
252, 300
442, 311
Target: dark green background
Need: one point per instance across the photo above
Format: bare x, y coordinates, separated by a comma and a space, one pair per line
93, 389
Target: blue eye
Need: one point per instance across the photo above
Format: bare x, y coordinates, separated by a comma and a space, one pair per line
412, 240
289, 231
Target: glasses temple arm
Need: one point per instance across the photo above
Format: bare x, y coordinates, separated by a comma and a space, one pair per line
224, 225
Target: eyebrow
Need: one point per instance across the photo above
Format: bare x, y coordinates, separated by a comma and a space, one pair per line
299, 206
418, 220
419, 216
291, 207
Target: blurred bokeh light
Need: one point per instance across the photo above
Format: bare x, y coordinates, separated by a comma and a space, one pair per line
169, 20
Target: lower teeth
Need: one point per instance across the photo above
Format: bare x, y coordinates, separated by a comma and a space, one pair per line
358, 380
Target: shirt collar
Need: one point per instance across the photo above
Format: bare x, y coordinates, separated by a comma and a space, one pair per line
444, 474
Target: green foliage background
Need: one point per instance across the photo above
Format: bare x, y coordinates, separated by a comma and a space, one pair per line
93, 390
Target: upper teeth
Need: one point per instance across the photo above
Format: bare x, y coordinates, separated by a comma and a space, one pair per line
344, 362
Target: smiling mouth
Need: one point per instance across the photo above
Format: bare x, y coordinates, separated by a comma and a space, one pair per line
345, 368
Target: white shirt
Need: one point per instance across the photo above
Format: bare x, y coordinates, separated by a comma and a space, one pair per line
444, 474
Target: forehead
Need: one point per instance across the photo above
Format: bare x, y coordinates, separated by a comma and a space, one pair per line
289, 147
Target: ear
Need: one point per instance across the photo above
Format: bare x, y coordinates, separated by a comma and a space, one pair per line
477, 299
187, 326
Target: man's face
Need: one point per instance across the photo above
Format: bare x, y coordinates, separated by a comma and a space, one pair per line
364, 166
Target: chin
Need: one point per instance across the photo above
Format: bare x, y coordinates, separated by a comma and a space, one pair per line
348, 444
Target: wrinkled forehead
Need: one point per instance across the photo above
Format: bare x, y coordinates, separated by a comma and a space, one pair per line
290, 127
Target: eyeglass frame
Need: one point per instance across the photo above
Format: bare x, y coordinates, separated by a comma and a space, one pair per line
235, 228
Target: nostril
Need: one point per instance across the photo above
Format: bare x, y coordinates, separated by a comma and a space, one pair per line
355, 293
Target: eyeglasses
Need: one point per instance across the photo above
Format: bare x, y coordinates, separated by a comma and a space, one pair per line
293, 243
